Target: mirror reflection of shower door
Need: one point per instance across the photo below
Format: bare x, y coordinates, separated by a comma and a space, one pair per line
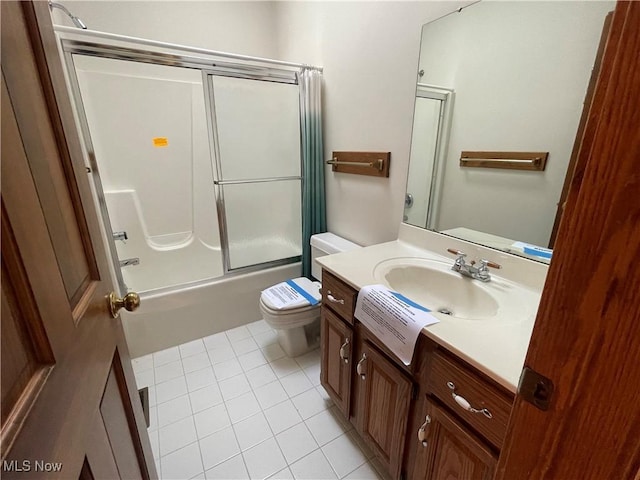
258, 169
432, 117
423, 152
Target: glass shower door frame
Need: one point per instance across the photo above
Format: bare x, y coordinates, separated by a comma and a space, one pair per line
445, 96
249, 68
219, 183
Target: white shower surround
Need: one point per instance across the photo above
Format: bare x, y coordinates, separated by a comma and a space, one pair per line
149, 132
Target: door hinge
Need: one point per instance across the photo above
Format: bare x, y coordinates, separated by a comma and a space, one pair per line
414, 391
535, 388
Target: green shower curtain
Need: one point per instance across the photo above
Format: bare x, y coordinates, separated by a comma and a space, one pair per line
313, 196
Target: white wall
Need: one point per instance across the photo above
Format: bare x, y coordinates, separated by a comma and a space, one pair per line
245, 28
369, 51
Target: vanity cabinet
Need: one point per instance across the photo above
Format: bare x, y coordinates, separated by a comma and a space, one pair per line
456, 386
370, 389
447, 450
381, 406
339, 297
336, 346
460, 421
337, 340
438, 419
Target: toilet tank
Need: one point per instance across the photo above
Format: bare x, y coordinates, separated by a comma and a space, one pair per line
325, 244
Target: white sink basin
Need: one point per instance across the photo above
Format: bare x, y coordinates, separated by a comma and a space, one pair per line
433, 284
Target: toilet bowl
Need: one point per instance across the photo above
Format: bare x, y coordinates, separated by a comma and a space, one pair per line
292, 308
297, 327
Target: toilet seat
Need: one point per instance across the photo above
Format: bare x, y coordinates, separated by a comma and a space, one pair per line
289, 312
290, 318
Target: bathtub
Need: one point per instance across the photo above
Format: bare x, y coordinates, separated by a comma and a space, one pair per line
171, 317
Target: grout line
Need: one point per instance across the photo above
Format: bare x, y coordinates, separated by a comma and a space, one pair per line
259, 443
329, 463
225, 402
183, 446
182, 357
193, 419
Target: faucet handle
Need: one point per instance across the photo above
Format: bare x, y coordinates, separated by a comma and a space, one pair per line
488, 263
459, 264
456, 252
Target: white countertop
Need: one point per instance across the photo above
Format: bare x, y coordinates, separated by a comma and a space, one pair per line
496, 348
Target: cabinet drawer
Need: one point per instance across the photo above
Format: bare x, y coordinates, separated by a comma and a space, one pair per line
448, 379
338, 296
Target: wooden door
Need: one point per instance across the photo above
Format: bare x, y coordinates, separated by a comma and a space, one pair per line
70, 408
384, 395
587, 334
336, 339
449, 451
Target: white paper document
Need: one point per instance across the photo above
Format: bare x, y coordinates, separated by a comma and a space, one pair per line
290, 294
393, 318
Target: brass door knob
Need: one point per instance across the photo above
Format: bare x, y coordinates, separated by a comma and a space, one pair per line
130, 302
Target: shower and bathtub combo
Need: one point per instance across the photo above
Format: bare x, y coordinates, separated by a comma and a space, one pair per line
197, 172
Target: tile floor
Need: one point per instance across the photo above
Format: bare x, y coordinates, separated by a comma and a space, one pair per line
234, 406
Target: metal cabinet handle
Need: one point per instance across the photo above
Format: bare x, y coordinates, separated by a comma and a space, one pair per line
359, 367
464, 403
422, 434
343, 350
334, 299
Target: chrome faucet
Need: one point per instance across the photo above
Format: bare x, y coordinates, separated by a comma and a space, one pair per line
469, 269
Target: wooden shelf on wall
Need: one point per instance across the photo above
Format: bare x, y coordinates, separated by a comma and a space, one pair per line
509, 160
375, 164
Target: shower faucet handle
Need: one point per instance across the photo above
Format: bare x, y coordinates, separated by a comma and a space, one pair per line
120, 236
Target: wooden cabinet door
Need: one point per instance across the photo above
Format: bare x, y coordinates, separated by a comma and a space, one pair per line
70, 408
335, 367
449, 451
384, 396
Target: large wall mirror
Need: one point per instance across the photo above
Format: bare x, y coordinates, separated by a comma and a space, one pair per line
499, 77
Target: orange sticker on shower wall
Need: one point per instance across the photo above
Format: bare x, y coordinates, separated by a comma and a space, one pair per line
160, 142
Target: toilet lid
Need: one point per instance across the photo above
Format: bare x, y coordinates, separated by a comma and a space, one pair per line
292, 294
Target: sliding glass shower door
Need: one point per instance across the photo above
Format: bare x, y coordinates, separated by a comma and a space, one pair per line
196, 161
256, 130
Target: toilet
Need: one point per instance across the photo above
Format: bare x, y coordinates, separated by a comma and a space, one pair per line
292, 308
